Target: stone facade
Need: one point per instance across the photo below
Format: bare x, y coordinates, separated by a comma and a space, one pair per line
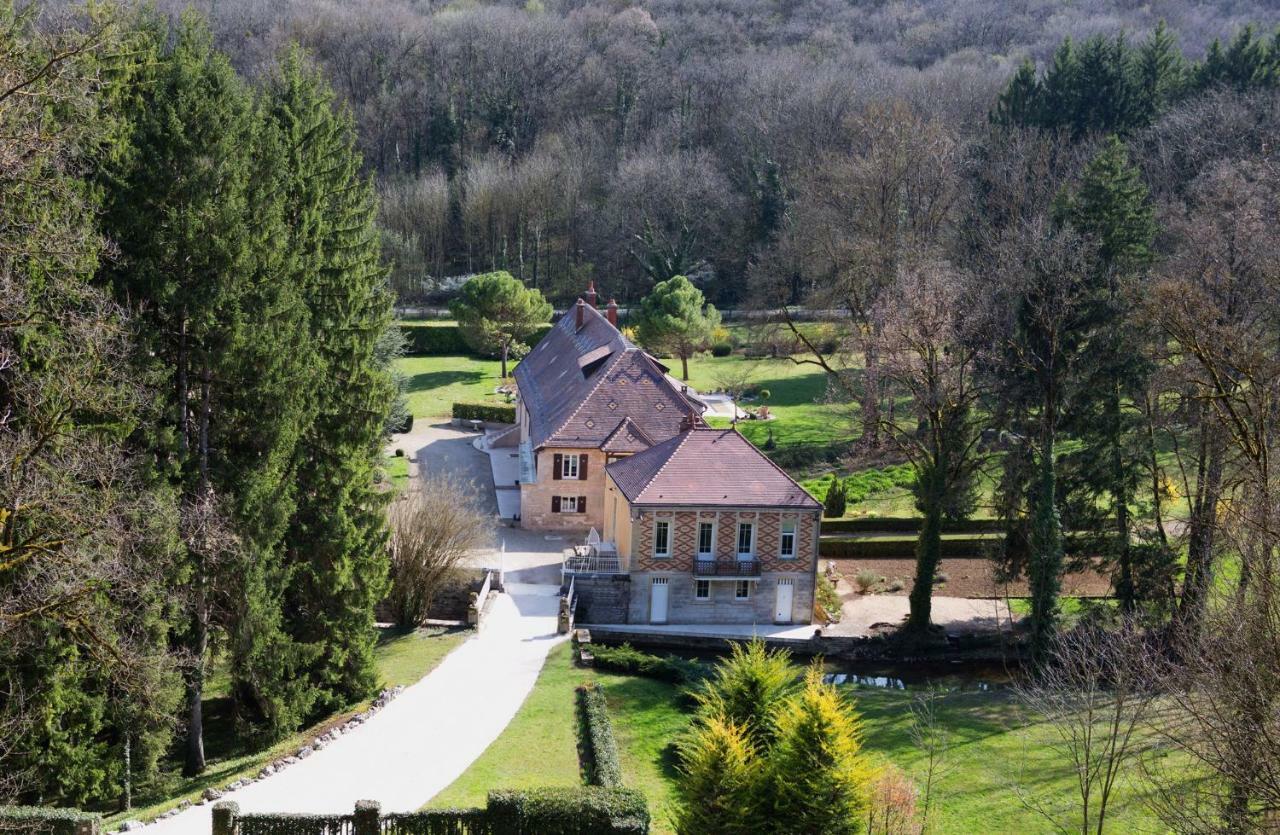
536, 499
723, 606
602, 598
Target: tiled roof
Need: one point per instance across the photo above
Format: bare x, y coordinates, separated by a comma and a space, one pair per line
580, 384
708, 468
628, 437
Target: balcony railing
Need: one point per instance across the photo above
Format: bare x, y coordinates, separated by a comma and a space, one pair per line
726, 568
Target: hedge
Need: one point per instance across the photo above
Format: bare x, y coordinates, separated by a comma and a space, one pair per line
590, 810
908, 524
488, 412
868, 548
602, 749
430, 339
30, 820
627, 659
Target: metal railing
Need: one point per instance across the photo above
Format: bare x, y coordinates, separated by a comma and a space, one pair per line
726, 568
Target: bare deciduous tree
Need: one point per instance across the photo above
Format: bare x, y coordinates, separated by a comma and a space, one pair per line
433, 530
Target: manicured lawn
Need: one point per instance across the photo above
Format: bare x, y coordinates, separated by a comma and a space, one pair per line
797, 397
992, 748
403, 658
435, 383
540, 746
396, 470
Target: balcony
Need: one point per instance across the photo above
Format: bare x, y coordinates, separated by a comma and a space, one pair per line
733, 569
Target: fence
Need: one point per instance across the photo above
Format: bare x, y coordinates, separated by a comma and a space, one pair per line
475, 612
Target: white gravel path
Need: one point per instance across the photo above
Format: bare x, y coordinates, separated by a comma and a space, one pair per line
423, 740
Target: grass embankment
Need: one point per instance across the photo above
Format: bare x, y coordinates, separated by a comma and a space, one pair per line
402, 657
992, 750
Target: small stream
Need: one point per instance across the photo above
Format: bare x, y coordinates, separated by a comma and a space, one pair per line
947, 676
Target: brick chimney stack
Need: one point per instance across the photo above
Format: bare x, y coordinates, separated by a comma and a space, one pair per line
591, 293
581, 310
612, 312
689, 422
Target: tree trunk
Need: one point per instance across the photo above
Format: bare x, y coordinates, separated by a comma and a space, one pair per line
870, 400
1124, 588
928, 549
506, 350
684, 367
195, 762
1045, 564
1200, 540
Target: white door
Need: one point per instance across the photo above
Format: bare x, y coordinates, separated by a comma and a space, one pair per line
785, 591
658, 600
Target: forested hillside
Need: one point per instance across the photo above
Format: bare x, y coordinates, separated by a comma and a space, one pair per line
633, 142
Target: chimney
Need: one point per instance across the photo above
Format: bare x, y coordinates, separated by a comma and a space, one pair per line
689, 422
612, 312
591, 293
581, 311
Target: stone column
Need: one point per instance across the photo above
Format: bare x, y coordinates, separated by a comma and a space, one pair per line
368, 817
224, 817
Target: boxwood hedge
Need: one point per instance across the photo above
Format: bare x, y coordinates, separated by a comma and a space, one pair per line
908, 524
602, 749
488, 412
431, 339
590, 810
627, 659
40, 820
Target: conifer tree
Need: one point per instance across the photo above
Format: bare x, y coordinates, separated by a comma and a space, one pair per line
199, 224
675, 318
337, 534
819, 781
720, 776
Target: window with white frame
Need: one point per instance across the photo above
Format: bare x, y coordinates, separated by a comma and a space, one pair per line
787, 542
662, 538
746, 539
742, 590
569, 466
569, 504
702, 589
706, 538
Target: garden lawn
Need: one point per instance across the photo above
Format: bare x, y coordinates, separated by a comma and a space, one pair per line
433, 384
796, 397
540, 746
396, 470
991, 748
403, 657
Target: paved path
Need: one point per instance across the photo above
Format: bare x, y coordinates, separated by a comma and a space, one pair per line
441, 449
422, 741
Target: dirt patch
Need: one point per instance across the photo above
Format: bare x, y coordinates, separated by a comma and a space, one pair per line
965, 577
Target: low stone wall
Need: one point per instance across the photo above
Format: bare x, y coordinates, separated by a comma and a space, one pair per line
602, 598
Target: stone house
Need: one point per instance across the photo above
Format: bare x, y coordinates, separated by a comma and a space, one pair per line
709, 530
586, 396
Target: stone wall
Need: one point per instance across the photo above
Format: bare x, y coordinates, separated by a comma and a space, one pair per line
602, 598
723, 606
535, 499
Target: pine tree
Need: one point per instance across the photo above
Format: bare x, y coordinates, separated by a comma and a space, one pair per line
1161, 73
337, 535
747, 689
1018, 104
819, 781
675, 318
497, 313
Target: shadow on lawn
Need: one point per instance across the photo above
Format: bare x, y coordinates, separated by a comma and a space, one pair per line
436, 379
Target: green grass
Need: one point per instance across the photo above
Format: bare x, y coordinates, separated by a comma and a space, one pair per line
403, 657
540, 746
992, 747
435, 383
396, 470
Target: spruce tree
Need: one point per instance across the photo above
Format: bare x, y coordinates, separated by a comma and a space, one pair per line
720, 777
198, 221
337, 536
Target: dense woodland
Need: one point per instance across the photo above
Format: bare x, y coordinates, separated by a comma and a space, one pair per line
1052, 233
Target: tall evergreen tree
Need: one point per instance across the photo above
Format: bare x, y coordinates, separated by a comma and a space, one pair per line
199, 224
336, 540
1112, 208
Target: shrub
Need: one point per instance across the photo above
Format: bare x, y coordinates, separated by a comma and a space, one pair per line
894, 804
606, 768
589, 810
399, 452
865, 581
908, 524
628, 659
721, 349
829, 606
850, 547
895, 585
431, 339
488, 412
40, 820
834, 505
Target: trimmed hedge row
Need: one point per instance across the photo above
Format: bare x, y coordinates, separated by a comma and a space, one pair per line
851, 547
627, 659
488, 412
606, 767
908, 524
589, 810
44, 820
431, 339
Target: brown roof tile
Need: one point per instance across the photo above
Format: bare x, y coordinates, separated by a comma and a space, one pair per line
707, 468
580, 384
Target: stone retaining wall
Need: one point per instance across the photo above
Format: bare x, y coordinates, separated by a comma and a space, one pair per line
602, 598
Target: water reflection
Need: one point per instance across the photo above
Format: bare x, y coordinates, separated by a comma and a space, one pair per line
951, 678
